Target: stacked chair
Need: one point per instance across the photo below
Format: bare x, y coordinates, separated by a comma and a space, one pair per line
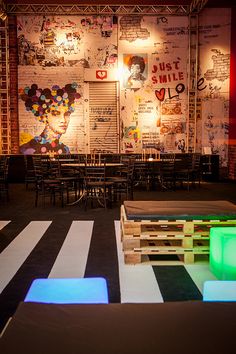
68, 177
96, 186
123, 180
167, 175
188, 170
29, 171
4, 187
47, 185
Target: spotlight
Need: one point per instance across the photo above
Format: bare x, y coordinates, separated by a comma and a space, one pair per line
3, 15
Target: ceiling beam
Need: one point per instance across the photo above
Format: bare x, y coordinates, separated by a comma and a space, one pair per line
64, 9
197, 5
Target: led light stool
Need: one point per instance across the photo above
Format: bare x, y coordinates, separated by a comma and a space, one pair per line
219, 290
68, 291
223, 252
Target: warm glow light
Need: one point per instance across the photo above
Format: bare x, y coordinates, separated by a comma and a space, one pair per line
121, 73
3, 15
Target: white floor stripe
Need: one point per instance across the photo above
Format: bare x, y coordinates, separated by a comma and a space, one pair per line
137, 282
3, 223
199, 273
18, 250
72, 258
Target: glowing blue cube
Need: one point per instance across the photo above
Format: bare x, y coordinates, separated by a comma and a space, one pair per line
219, 290
68, 291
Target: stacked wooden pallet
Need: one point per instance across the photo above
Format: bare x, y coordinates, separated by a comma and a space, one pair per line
181, 237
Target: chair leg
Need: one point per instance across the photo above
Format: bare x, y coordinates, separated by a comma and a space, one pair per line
62, 196
36, 197
104, 198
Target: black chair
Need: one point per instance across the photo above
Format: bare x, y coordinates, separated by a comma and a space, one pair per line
29, 171
197, 169
4, 167
68, 176
167, 176
46, 185
141, 175
184, 170
123, 182
96, 187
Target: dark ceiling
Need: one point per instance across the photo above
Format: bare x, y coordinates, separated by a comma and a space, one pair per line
210, 3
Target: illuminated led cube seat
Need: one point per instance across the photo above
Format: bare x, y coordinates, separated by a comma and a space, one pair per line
223, 252
219, 290
68, 291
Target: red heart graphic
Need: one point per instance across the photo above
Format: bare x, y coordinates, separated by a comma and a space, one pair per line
101, 74
160, 94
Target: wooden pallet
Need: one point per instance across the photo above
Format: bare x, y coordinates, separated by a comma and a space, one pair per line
184, 238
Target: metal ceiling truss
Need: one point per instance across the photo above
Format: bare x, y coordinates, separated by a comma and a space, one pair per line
197, 5
64, 9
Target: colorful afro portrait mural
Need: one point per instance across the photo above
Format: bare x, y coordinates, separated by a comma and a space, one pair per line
52, 107
136, 69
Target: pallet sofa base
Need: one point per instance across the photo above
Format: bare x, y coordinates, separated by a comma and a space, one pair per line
178, 228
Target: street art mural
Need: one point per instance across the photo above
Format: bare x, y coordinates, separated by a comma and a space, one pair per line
67, 41
151, 56
43, 94
52, 107
214, 73
135, 70
158, 103
54, 50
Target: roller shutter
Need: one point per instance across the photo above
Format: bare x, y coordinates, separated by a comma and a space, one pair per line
103, 117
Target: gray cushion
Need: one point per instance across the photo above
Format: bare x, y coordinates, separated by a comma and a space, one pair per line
180, 210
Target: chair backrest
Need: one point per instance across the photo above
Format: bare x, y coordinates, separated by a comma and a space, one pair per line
196, 161
130, 173
95, 173
184, 163
4, 167
94, 159
127, 171
167, 164
167, 156
38, 166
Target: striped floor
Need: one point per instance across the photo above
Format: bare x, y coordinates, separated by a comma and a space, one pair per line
37, 252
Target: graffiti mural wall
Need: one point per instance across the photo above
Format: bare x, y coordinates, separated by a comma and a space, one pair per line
153, 105
215, 72
152, 70
53, 53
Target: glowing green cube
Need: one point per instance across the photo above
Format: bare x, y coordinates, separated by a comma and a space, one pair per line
223, 252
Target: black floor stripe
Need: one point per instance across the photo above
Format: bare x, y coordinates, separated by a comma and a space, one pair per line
176, 284
37, 265
10, 231
102, 258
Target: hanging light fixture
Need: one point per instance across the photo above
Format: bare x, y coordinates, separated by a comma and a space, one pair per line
3, 14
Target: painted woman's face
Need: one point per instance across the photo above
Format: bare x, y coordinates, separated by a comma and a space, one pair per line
58, 121
135, 71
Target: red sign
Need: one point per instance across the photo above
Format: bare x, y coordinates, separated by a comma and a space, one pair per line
101, 74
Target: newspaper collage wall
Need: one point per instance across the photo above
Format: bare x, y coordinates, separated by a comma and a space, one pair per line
150, 54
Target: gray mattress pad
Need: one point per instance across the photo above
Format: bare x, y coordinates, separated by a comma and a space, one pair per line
180, 210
